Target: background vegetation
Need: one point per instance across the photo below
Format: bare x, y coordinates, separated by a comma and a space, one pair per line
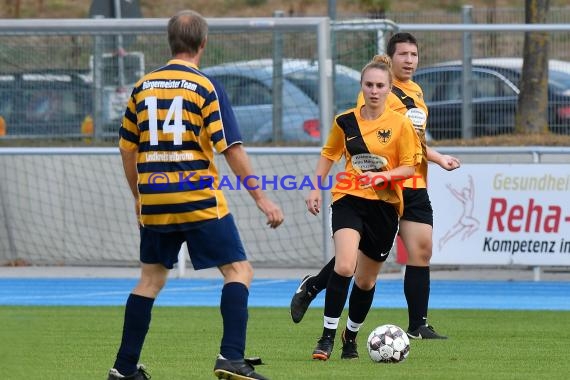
246, 8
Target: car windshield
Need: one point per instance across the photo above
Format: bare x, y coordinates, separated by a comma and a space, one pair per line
345, 87
346, 90
560, 81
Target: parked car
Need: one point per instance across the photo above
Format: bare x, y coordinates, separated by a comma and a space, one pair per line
495, 96
44, 103
249, 88
114, 92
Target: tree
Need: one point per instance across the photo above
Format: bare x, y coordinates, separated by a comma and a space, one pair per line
532, 111
376, 8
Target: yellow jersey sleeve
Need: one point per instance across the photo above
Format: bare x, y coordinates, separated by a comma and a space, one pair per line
334, 146
409, 145
129, 133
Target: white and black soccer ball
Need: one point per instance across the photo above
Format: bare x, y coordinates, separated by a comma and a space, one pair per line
388, 344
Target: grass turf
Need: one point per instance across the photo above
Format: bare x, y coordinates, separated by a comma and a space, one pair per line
80, 343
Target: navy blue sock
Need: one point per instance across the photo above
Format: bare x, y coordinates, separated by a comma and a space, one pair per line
233, 307
135, 327
416, 290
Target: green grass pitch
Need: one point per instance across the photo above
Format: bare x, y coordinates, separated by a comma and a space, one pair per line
80, 343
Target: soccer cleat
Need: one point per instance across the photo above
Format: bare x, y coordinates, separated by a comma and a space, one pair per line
425, 332
240, 369
301, 300
324, 348
140, 374
349, 348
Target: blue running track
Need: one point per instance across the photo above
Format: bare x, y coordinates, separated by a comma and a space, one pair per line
512, 295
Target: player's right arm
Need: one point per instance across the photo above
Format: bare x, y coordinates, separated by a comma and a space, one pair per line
332, 151
238, 162
314, 200
129, 135
130, 167
224, 133
129, 159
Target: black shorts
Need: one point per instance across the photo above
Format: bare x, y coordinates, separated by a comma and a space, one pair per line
376, 221
417, 206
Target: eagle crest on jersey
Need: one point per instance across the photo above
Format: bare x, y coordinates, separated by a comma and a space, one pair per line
384, 135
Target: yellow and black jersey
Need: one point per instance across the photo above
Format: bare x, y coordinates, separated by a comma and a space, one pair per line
371, 145
175, 118
407, 98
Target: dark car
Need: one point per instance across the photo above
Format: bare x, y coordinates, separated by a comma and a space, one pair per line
495, 96
44, 103
249, 86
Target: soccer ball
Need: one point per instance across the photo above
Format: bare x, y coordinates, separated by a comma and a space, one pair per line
388, 344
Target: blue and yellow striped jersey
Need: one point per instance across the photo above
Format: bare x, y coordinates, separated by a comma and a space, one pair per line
175, 118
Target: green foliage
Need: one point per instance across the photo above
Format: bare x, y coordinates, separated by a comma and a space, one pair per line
453, 5
81, 342
375, 5
244, 3
255, 3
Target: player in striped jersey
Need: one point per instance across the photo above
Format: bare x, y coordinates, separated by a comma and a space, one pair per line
175, 118
417, 220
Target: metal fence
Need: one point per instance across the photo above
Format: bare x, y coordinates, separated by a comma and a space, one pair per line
72, 206
54, 57
69, 79
482, 15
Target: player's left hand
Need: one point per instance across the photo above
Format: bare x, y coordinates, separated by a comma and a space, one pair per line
449, 162
272, 212
371, 179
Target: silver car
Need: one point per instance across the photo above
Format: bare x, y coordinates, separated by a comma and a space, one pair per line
249, 88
